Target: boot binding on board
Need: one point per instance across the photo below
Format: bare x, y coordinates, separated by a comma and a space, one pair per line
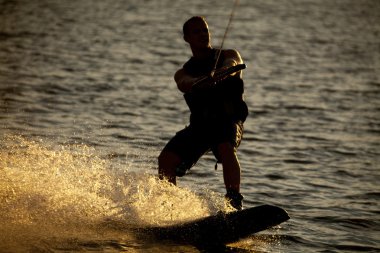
235, 199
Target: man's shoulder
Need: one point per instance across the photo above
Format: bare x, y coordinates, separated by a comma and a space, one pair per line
232, 52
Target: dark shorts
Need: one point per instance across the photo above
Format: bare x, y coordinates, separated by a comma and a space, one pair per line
194, 141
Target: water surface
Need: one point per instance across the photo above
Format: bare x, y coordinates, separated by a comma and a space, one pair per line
87, 101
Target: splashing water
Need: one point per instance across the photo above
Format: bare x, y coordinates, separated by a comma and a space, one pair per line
67, 191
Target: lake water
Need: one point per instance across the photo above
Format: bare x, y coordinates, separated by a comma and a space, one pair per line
88, 100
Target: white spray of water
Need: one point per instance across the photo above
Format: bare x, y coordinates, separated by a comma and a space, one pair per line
67, 191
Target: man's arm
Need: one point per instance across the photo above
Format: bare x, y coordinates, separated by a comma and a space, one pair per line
184, 81
187, 83
232, 58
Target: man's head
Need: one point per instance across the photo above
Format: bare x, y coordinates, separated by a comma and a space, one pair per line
196, 33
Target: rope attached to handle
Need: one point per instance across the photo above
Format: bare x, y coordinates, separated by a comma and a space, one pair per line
225, 35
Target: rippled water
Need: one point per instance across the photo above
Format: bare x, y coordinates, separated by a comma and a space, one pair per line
87, 101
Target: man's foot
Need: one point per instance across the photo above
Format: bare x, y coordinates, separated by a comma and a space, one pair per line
235, 199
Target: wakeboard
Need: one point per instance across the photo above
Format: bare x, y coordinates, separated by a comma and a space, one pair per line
223, 228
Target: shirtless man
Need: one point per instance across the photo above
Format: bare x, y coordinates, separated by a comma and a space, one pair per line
217, 112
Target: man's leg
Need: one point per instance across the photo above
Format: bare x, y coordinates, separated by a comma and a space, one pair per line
231, 174
231, 166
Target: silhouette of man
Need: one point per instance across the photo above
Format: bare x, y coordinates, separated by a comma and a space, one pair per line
217, 111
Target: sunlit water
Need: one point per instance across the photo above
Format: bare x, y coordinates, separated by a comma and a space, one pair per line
87, 101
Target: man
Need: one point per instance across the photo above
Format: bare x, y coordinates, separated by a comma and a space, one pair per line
217, 111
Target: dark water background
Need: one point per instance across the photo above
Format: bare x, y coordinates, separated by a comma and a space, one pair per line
87, 101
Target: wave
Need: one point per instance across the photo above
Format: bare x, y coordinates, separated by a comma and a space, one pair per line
56, 192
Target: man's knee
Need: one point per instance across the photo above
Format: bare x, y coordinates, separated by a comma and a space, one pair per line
167, 163
168, 157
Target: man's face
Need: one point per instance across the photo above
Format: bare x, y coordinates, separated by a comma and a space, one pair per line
198, 35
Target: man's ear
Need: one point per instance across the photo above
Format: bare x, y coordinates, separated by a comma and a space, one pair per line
185, 38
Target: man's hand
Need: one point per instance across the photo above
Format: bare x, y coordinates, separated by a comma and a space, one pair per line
205, 82
216, 76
